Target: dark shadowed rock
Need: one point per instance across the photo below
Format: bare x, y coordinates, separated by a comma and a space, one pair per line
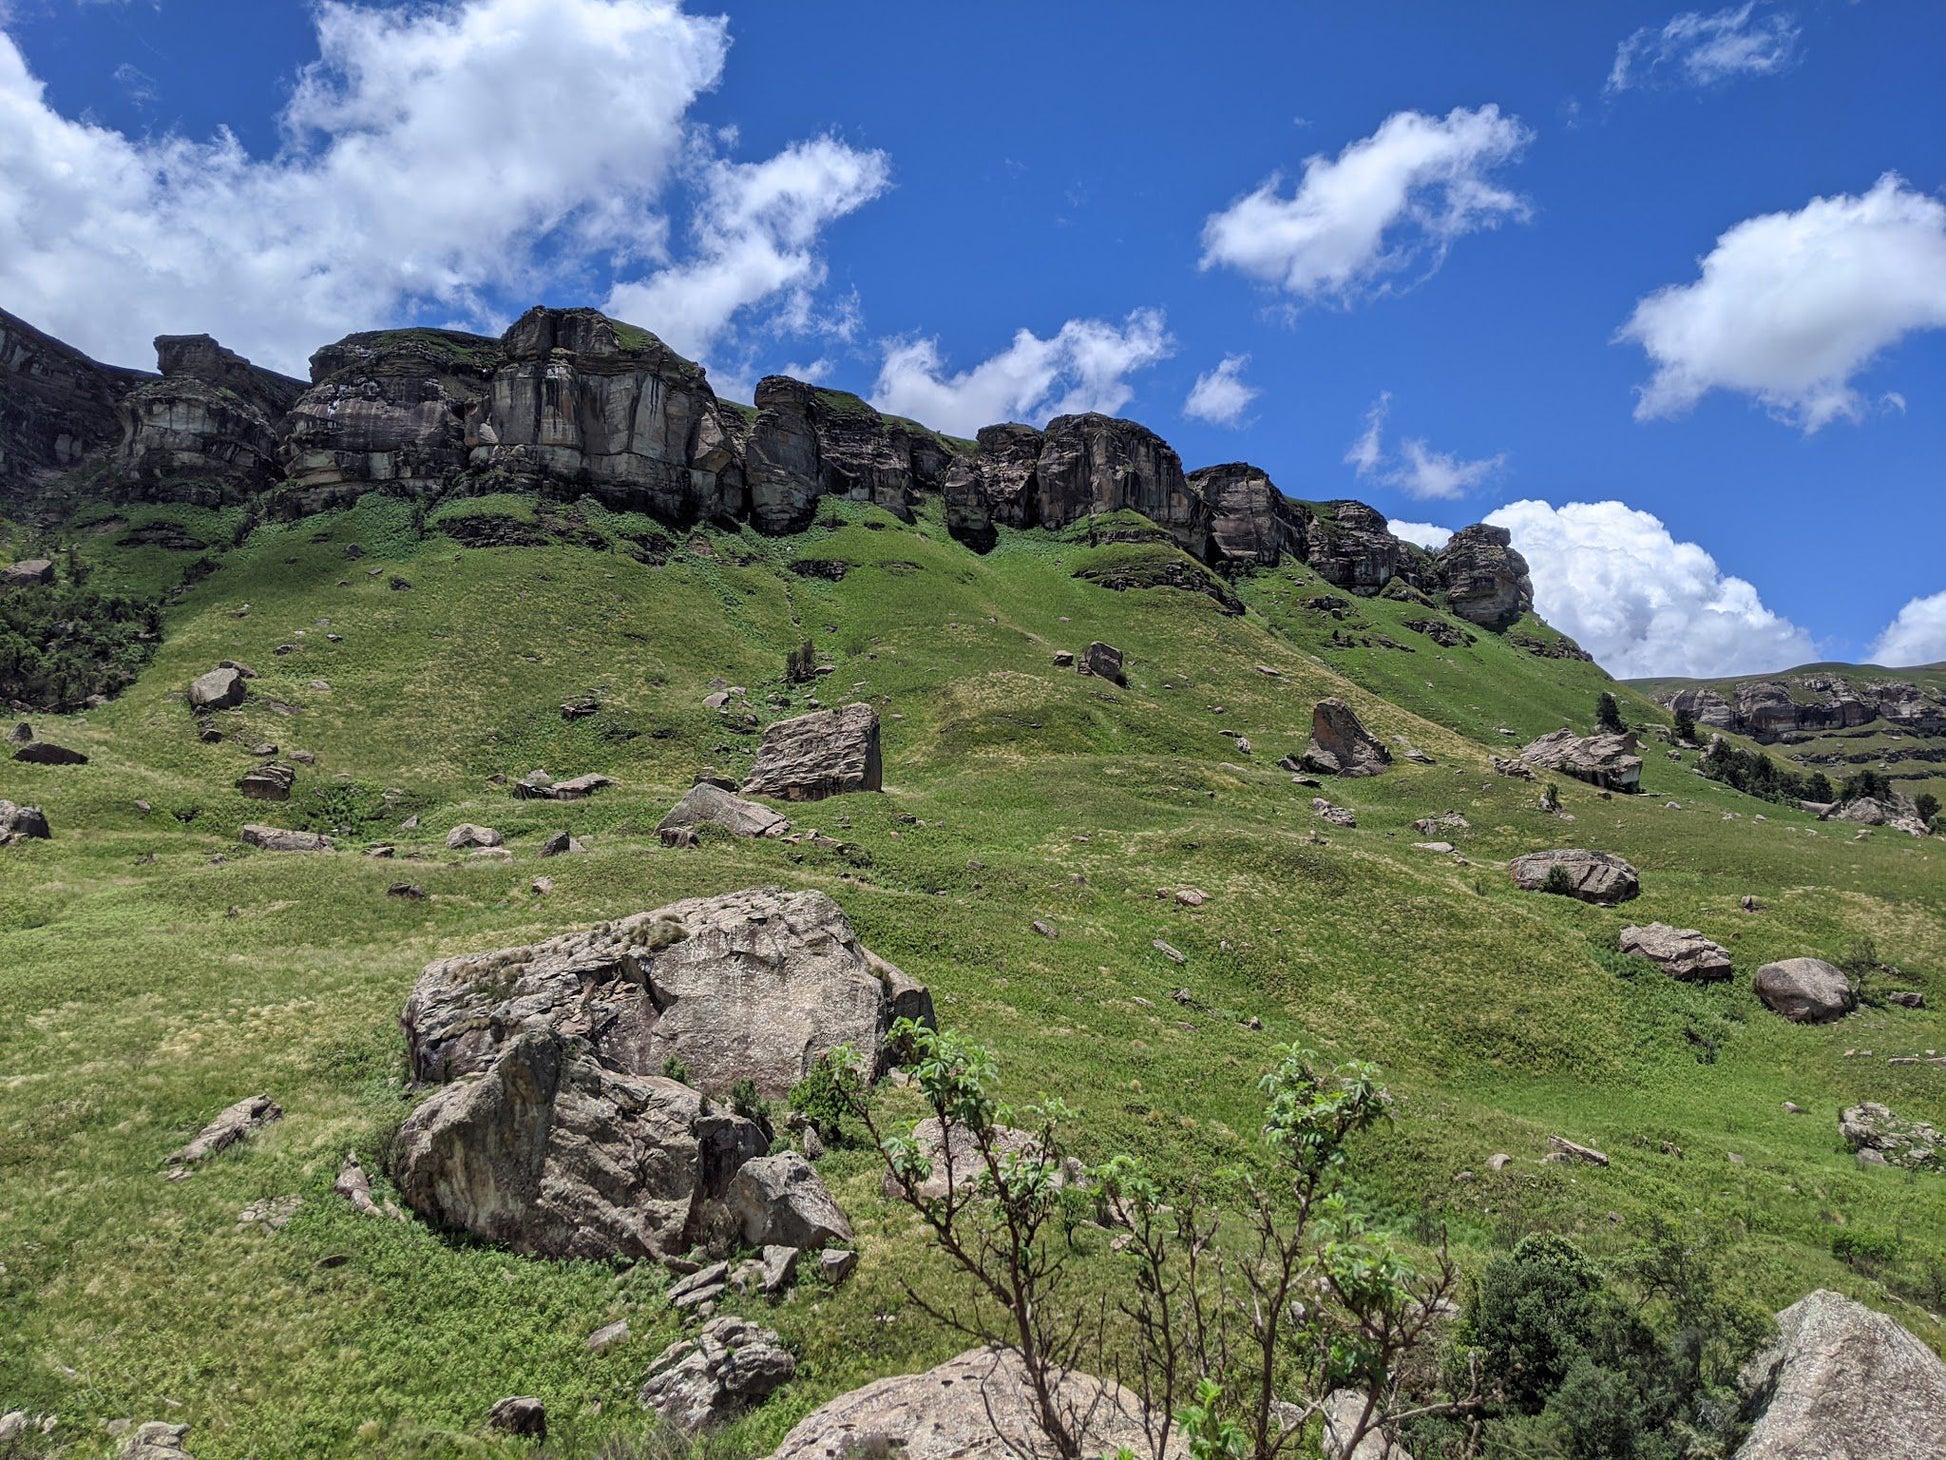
1805, 990
1486, 581
1910, 1143
548, 1152
1340, 745
27, 573
707, 805
978, 1406
46, 752
1600, 877
994, 487
207, 431
1349, 547
57, 406
1681, 953
1104, 661
810, 442
520, 1415
1841, 1382
781, 1201
1608, 761
278, 839
22, 823
825, 753
268, 782
236, 1123
1246, 521
220, 689
728, 1366
561, 844
759, 983
1094, 464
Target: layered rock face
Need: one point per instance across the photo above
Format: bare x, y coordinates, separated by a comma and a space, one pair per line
1247, 522
207, 431
1768, 710
57, 407
1349, 547
1486, 580
1599, 877
809, 443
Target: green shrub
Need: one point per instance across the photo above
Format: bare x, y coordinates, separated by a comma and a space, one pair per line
1533, 1315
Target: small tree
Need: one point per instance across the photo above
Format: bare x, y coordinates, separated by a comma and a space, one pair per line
1927, 806
801, 664
1685, 726
1608, 714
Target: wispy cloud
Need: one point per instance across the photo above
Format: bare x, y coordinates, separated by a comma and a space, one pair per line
1415, 468
1700, 50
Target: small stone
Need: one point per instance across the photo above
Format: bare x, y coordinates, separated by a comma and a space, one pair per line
835, 1264
520, 1415
1168, 951
1498, 1161
607, 1336
1044, 928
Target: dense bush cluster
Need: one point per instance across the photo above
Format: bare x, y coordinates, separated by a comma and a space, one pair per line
1756, 774
61, 644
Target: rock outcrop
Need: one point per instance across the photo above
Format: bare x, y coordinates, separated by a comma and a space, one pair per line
551, 1153
22, 823
1769, 710
1682, 953
978, 1406
1608, 761
1246, 521
1340, 745
57, 407
1599, 877
156, 1440
233, 1124
759, 984
1486, 581
1104, 661
809, 442
1349, 547
728, 1366
222, 688
824, 753
1805, 990
281, 839
207, 431
1842, 1382
1912, 1144
705, 804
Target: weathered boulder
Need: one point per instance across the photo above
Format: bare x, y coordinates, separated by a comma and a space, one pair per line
978, 1406
728, 1366
156, 1440
1705, 706
955, 1160
540, 786
1682, 953
22, 823
467, 834
782, 1201
759, 983
268, 782
709, 805
1841, 1382
1485, 579
1910, 1143
824, 753
1608, 761
278, 839
520, 1414
561, 844
1104, 661
1348, 546
222, 688
1246, 521
235, 1123
1805, 990
1600, 877
46, 752
1340, 745
28, 573
550, 1153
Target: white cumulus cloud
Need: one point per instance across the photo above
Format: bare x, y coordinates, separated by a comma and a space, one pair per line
1084, 366
1382, 205
1425, 534
1415, 468
1703, 49
1790, 306
1916, 636
1221, 396
1615, 580
436, 156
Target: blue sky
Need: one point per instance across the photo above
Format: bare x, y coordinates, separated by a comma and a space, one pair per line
1419, 233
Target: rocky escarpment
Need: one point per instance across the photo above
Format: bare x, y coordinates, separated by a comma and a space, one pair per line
569, 402
1769, 710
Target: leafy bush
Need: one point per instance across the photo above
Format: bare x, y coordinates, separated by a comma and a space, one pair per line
1533, 1315
1865, 1250
1608, 714
63, 643
1758, 775
825, 1096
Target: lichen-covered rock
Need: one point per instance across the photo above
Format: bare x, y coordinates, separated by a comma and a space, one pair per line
1599, 877
28, 573
978, 1406
759, 983
710, 805
1608, 761
1682, 953
781, 1201
1340, 745
1805, 990
1486, 581
1104, 661
728, 1366
1910, 1143
824, 753
1841, 1382
279, 839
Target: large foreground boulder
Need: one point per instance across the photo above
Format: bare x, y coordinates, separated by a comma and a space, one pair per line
731, 1364
978, 1406
1843, 1383
1340, 745
551, 1154
1600, 877
705, 804
1912, 1144
825, 753
760, 983
1805, 990
1681, 953
219, 689
22, 823
1608, 761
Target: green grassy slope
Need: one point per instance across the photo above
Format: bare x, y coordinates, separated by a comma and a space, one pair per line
153, 970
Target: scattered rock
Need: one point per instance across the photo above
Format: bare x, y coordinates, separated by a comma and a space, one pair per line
705, 1285
827, 753
1168, 951
236, 1123
835, 1264
356, 1187
681, 838
411, 891
1912, 1144
46, 752
20, 735
977, 1406
1336, 815
730, 1364
268, 782
562, 843
1064, 658
520, 1415
1340, 745
1805, 990
1607, 761
1044, 928
1681, 953
540, 786
1906, 998
27, 573
541, 886
779, 1268
1191, 896
1498, 1161
607, 1336
1104, 661
22, 823
1598, 877
271, 1214
466, 834
219, 689
278, 839
782, 1201
1842, 1381
157, 1441
707, 805
1564, 1147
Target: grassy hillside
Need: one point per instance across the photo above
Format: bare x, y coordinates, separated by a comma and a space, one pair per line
154, 970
